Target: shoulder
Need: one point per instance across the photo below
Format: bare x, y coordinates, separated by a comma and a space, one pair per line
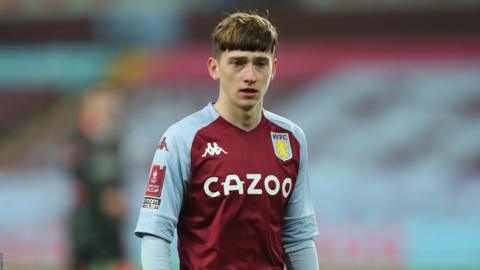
286, 124
185, 129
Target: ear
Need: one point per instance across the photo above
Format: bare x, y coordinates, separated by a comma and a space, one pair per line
274, 68
212, 66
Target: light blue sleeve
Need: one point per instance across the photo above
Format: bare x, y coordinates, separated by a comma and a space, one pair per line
173, 156
299, 219
301, 255
160, 218
155, 254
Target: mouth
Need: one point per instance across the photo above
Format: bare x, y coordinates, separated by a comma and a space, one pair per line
248, 90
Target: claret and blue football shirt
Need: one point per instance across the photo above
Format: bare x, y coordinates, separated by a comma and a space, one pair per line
234, 196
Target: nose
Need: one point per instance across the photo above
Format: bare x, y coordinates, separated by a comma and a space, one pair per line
250, 77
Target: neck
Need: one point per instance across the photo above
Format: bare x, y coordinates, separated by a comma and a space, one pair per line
245, 119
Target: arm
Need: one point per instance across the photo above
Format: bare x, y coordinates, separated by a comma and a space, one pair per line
155, 253
163, 199
301, 255
300, 225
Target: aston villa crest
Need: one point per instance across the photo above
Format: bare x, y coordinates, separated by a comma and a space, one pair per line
281, 145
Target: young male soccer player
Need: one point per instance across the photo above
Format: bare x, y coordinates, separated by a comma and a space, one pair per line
233, 177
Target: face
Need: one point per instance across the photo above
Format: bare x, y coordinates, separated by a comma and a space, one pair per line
243, 76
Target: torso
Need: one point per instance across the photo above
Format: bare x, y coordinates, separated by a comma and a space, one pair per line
239, 185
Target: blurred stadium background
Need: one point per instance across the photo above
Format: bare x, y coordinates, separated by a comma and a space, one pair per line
387, 91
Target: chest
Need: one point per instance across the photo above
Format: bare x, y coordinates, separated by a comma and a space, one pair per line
227, 163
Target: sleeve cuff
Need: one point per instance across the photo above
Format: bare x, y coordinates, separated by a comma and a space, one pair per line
295, 230
159, 226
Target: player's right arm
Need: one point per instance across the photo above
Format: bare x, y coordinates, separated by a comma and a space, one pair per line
163, 196
155, 253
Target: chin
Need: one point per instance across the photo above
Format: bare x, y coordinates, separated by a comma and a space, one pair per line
248, 104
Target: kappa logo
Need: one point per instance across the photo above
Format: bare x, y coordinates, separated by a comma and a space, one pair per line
213, 149
163, 144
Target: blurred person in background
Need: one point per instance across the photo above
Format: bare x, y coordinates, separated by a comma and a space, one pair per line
232, 178
98, 213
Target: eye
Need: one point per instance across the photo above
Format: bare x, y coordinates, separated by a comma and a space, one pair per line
261, 63
237, 62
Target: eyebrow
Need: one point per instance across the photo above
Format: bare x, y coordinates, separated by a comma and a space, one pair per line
255, 58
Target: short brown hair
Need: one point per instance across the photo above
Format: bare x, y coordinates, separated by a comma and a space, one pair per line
246, 32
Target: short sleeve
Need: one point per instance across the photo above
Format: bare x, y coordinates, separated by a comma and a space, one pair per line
299, 219
165, 189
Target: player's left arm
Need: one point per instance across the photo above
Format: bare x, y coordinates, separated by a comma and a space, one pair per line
299, 225
301, 255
